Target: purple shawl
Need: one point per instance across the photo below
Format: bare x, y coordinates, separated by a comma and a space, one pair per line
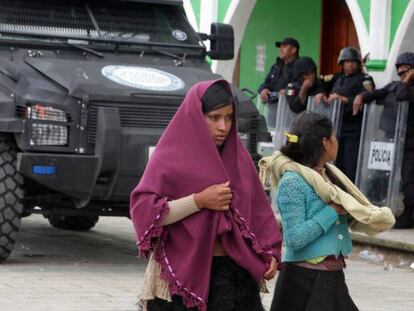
187, 161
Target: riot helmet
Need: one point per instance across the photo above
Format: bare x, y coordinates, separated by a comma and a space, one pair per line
349, 53
406, 58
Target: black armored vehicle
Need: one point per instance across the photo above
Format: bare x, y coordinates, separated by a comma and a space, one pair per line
86, 89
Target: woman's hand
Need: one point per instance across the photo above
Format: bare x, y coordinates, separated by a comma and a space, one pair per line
215, 198
270, 274
358, 104
339, 209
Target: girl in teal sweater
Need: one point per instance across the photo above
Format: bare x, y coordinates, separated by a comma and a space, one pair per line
315, 233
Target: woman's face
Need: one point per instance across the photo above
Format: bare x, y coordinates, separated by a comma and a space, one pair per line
219, 123
331, 148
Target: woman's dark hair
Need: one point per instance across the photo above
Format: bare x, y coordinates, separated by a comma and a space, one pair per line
311, 128
216, 96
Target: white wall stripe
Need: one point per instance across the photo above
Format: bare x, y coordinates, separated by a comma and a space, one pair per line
238, 16
189, 11
360, 25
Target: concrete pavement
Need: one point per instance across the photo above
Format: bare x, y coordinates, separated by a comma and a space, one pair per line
60, 270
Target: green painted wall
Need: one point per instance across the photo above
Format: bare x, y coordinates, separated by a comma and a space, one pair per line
223, 6
273, 20
196, 4
398, 8
365, 6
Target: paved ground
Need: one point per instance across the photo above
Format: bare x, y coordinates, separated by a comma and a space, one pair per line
58, 270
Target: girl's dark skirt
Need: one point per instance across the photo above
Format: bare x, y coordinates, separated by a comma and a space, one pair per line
231, 289
301, 289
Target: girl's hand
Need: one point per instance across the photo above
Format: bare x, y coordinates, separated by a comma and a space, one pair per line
215, 198
339, 209
270, 274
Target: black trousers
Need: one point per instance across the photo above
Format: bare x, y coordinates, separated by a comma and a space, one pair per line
347, 158
231, 289
301, 289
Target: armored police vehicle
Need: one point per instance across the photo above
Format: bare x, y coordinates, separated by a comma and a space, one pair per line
86, 89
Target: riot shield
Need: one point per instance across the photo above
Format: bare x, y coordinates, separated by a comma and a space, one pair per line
333, 111
381, 151
284, 117
271, 111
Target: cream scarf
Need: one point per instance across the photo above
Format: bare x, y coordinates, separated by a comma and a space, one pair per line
367, 217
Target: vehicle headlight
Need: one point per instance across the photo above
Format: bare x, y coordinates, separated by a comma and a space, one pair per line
49, 133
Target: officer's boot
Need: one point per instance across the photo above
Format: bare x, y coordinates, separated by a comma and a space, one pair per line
405, 220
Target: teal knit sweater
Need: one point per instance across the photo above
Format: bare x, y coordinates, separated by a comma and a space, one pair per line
311, 228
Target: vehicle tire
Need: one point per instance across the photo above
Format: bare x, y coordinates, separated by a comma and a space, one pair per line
75, 223
11, 196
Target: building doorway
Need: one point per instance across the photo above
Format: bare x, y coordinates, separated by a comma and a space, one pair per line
338, 31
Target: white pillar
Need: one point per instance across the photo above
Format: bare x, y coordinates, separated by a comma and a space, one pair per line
238, 16
379, 29
208, 15
191, 15
360, 25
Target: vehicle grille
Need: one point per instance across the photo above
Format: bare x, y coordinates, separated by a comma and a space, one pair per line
135, 115
124, 21
253, 143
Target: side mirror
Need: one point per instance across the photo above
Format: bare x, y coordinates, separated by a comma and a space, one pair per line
221, 41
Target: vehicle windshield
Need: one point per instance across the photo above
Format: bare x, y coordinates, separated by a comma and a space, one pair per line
83, 22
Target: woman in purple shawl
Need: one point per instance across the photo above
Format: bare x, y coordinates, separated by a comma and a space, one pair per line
201, 212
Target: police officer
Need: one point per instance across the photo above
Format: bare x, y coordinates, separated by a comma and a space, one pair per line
280, 74
305, 84
345, 86
404, 91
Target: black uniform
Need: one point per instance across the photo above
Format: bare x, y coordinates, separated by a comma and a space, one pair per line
277, 79
402, 92
279, 76
292, 95
349, 86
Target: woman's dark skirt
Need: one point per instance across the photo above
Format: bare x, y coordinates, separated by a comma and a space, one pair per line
231, 289
301, 289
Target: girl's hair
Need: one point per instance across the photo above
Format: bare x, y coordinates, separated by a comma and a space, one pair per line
216, 96
310, 128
